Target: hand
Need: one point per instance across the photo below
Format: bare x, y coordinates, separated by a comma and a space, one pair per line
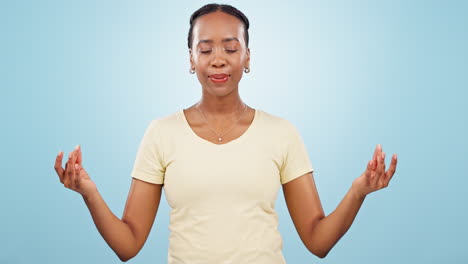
375, 177
74, 176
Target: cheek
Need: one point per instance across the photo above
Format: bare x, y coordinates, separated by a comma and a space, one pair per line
239, 69
237, 74
202, 77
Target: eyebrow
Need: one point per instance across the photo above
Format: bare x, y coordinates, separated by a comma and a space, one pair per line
224, 40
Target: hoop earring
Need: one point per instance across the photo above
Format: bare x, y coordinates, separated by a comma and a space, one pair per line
246, 70
192, 70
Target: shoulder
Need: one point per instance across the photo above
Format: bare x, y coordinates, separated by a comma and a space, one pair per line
162, 125
166, 121
276, 123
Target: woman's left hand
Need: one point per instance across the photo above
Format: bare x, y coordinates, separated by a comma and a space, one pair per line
375, 177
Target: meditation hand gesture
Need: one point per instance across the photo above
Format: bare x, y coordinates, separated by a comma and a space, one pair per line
375, 177
74, 176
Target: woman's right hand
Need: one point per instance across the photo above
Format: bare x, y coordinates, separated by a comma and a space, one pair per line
74, 176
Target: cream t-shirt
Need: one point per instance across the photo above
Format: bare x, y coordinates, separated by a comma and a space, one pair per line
222, 197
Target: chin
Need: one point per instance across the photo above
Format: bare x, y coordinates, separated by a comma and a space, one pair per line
220, 90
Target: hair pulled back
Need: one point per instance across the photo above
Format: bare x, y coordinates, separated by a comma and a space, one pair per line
228, 9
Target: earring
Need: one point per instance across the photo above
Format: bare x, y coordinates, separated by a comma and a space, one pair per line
246, 70
192, 70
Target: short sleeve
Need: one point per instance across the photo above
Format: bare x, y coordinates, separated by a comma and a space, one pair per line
295, 158
148, 165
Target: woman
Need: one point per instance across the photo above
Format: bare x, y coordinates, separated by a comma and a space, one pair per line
221, 163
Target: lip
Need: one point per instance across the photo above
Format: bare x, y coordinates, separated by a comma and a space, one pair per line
219, 77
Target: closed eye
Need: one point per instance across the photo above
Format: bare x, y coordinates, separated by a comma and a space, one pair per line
208, 51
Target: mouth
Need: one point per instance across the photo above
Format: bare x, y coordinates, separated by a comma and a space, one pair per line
219, 77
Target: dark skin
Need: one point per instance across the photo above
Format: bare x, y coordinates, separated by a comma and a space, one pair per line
222, 106
220, 102
318, 232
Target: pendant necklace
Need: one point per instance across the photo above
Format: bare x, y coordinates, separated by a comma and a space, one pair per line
220, 137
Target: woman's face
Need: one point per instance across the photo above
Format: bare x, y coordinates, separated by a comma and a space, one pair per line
218, 48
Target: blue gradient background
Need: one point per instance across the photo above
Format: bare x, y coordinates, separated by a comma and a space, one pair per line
348, 74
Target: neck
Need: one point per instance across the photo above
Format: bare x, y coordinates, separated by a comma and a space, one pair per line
221, 106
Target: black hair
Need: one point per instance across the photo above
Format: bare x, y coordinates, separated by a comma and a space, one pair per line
228, 9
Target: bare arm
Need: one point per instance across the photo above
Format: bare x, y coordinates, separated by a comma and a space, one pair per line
329, 230
126, 237
318, 232
115, 232
141, 209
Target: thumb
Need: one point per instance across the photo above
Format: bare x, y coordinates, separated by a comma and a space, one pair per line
81, 172
369, 168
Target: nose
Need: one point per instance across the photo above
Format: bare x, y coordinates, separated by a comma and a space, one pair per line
218, 59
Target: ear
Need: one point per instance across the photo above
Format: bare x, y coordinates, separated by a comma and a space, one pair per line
247, 59
191, 58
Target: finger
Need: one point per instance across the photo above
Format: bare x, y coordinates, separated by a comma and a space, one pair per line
66, 174
380, 168
369, 171
375, 152
77, 175
375, 163
58, 165
369, 168
73, 170
69, 170
79, 158
391, 170
382, 178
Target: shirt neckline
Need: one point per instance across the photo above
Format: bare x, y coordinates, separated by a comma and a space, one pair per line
236, 140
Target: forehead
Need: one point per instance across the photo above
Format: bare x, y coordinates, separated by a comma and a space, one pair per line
216, 26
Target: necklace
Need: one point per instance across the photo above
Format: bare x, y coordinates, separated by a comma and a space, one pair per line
220, 137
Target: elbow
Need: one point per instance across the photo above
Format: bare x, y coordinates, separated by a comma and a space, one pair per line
125, 258
320, 253
126, 255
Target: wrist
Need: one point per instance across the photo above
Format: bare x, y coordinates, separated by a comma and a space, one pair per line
89, 196
356, 194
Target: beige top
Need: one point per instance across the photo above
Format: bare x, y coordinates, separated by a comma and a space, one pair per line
222, 197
